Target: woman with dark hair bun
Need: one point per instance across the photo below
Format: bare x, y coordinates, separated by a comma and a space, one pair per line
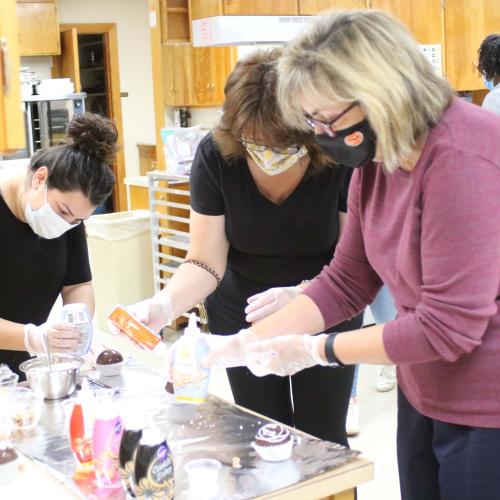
44, 251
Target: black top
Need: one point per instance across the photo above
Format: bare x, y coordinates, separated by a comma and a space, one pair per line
33, 272
272, 244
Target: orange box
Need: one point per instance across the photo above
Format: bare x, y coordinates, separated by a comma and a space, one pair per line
130, 325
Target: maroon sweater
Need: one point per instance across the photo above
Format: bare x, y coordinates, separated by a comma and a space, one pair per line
433, 236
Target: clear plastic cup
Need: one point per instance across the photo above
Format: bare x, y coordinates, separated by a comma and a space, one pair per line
203, 476
7, 377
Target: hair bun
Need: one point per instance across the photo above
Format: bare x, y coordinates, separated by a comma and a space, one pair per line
95, 135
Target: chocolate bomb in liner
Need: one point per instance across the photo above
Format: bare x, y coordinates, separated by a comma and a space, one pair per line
153, 467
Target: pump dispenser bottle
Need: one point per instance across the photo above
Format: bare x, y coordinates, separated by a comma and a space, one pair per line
190, 379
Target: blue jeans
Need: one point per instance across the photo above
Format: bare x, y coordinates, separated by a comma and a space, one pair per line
383, 310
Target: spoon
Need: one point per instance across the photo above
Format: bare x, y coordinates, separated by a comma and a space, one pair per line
46, 349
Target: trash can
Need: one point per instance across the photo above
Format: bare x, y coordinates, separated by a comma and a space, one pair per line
121, 260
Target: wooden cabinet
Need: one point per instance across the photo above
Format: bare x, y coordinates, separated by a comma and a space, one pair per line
147, 157
195, 77
313, 7
38, 28
174, 20
12, 132
67, 65
208, 8
424, 18
467, 23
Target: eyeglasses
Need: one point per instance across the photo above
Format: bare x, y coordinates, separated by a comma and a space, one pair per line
327, 126
260, 148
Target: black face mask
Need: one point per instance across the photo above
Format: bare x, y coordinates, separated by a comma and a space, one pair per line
352, 147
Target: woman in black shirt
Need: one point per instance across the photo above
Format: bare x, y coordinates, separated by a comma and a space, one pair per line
44, 251
266, 211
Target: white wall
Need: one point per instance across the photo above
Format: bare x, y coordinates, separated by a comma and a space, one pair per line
134, 54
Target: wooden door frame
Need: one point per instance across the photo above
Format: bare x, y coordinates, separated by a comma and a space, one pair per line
108, 30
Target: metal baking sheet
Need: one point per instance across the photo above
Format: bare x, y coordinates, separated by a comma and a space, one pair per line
215, 429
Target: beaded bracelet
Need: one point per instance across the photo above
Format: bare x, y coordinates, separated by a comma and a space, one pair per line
330, 352
205, 268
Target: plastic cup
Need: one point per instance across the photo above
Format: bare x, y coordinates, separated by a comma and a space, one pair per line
203, 476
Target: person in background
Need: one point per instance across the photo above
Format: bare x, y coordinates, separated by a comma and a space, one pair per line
44, 250
423, 218
383, 310
489, 68
266, 211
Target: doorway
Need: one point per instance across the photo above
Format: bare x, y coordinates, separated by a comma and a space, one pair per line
89, 56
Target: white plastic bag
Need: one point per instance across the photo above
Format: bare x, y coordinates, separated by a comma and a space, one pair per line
179, 146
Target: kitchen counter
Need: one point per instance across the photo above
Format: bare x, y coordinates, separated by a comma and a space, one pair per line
215, 429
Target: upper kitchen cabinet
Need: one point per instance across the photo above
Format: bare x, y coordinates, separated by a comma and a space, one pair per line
174, 20
195, 77
12, 133
467, 23
424, 18
209, 8
313, 7
38, 28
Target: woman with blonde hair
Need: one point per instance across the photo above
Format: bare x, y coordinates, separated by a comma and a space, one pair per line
423, 218
267, 208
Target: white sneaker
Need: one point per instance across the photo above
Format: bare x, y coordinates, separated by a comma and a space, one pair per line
386, 378
352, 421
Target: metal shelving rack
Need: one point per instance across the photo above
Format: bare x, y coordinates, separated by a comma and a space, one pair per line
164, 237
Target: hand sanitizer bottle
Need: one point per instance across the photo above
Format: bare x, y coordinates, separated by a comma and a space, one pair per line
190, 379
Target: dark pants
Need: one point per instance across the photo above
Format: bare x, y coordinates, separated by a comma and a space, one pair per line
320, 398
442, 461
320, 394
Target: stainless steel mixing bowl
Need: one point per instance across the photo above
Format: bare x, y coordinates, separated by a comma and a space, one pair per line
55, 384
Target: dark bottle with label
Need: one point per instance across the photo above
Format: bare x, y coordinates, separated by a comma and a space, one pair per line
153, 467
128, 447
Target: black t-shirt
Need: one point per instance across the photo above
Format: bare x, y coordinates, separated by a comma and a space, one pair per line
33, 272
269, 243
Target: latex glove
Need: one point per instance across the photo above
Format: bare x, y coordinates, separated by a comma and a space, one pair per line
265, 303
61, 337
155, 312
286, 354
228, 351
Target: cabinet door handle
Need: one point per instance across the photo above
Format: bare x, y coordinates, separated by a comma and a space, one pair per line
4, 63
211, 86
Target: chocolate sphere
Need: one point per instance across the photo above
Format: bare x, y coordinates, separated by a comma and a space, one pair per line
109, 357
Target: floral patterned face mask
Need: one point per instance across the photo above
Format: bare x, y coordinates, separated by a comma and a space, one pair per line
274, 161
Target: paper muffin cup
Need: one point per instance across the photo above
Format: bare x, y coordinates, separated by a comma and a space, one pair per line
278, 442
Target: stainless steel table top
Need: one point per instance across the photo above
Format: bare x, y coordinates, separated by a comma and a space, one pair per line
215, 429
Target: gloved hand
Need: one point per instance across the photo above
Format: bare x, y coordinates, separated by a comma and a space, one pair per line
265, 303
155, 312
61, 337
286, 354
227, 351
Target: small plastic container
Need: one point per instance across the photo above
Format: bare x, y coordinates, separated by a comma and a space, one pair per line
203, 476
7, 377
26, 408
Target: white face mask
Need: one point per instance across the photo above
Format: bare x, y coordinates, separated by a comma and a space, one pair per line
45, 222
